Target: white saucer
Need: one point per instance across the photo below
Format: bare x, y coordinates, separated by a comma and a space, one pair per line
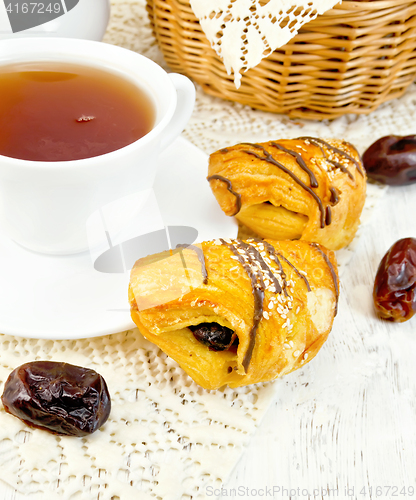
66, 298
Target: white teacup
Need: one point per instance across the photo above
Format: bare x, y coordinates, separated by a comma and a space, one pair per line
86, 19
45, 206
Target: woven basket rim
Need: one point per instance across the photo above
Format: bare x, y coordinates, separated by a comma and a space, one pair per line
370, 4
324, 72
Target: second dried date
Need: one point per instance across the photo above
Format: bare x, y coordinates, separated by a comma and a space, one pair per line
395, 283
58, 397
392, 160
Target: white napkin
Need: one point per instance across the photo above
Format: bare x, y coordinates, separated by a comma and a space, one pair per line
243, 32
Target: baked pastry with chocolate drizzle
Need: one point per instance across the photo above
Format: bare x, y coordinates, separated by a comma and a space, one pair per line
234, 312
304, 188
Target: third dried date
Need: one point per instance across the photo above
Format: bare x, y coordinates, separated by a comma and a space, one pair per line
395, 283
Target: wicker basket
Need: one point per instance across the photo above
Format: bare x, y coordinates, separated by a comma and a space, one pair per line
349, 60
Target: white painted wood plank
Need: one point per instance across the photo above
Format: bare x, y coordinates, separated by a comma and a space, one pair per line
348, 419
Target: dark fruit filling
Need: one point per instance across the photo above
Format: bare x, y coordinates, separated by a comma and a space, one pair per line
214, 336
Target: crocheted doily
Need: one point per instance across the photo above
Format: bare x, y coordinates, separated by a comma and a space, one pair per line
243, 32
166, 437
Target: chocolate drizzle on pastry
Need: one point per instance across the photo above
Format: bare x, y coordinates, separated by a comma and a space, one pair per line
201, 258
258, 287
300, 161
318, 142
340, 166
349, 157
229, 187
275, 257
334, 196
303, 277
328, 215
255, 256
269, 158
254, 261
333, 273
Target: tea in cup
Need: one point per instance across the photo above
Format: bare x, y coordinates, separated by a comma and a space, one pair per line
63, 112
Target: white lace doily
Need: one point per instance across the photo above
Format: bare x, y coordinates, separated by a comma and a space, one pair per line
166, 437
243, 32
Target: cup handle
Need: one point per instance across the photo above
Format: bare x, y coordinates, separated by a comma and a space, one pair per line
185, 90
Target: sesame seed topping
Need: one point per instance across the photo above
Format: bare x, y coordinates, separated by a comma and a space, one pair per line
291, 343
286, 346
305, 356
266, 315
296, 354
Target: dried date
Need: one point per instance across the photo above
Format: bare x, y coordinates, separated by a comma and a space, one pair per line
395, 283
392, 160
58, 397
